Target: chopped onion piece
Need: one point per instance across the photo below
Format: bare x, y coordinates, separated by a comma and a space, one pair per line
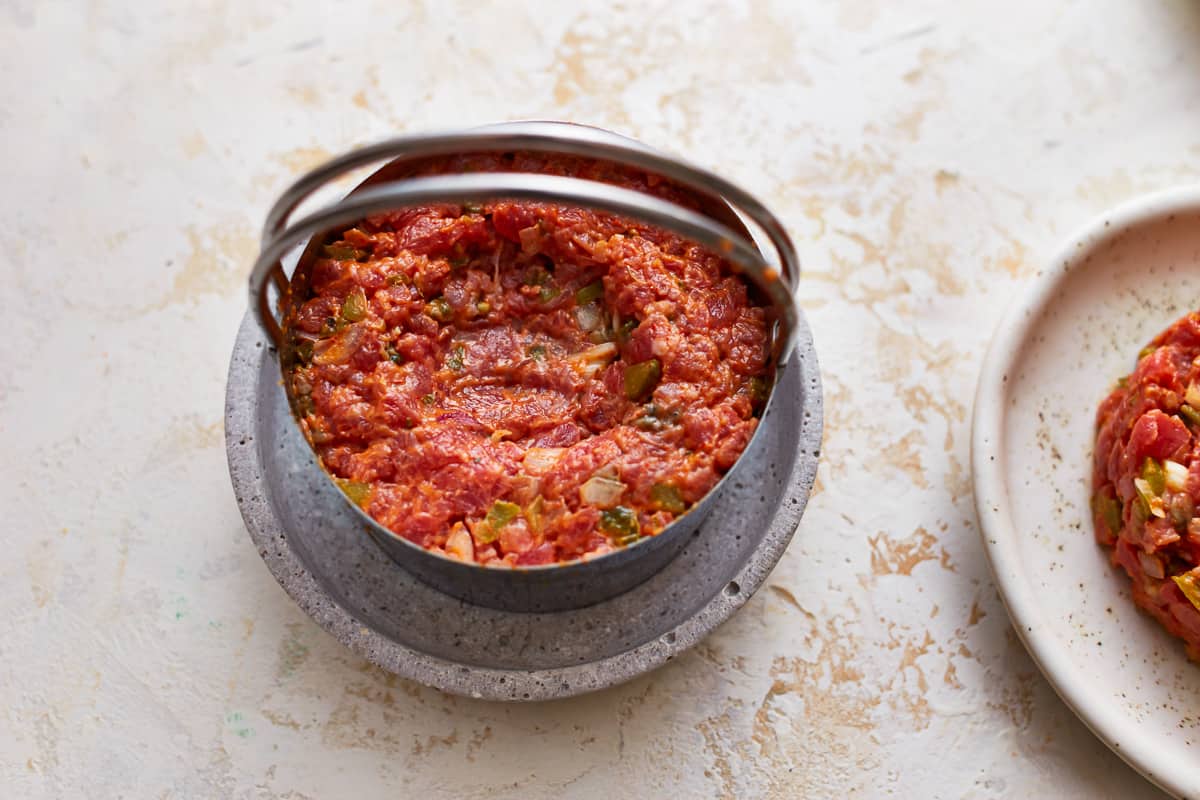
601, 492
588, 317
459, 544
594, 359
338, 348
540, 460
530, 239
601, 352
1151, 565
607, 471
1176, 475
1192, 396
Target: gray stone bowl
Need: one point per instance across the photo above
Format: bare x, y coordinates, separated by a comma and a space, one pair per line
584, 582
322, 554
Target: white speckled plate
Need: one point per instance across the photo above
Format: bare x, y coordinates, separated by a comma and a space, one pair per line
1116, 284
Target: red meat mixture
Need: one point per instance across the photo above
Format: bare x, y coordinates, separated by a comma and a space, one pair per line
1146, 479
517, 383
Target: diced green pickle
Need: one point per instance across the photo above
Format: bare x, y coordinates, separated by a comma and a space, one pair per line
502, 512
1190, 415
649, 420
358, 492
1154, 474
344, 252
455, 360
1109, 511
533, 515
1141, 509
355, 306
1189, 584
668, 498
593, 291
759, 389
621, 524
439, 309
640, 379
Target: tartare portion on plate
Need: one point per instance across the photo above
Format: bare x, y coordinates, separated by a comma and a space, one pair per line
1146, 479
517, 383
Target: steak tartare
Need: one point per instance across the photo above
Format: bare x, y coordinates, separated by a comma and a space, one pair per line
1146, 479
516, 383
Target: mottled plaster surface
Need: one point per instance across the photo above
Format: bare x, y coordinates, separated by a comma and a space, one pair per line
922, 153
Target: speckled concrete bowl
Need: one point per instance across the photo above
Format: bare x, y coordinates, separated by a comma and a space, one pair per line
1111, 288
324, 558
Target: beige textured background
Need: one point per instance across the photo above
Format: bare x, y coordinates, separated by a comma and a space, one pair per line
923, 153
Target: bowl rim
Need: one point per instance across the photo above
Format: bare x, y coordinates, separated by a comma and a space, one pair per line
996, 526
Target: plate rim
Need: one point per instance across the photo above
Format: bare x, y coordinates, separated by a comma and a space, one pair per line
996, 527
